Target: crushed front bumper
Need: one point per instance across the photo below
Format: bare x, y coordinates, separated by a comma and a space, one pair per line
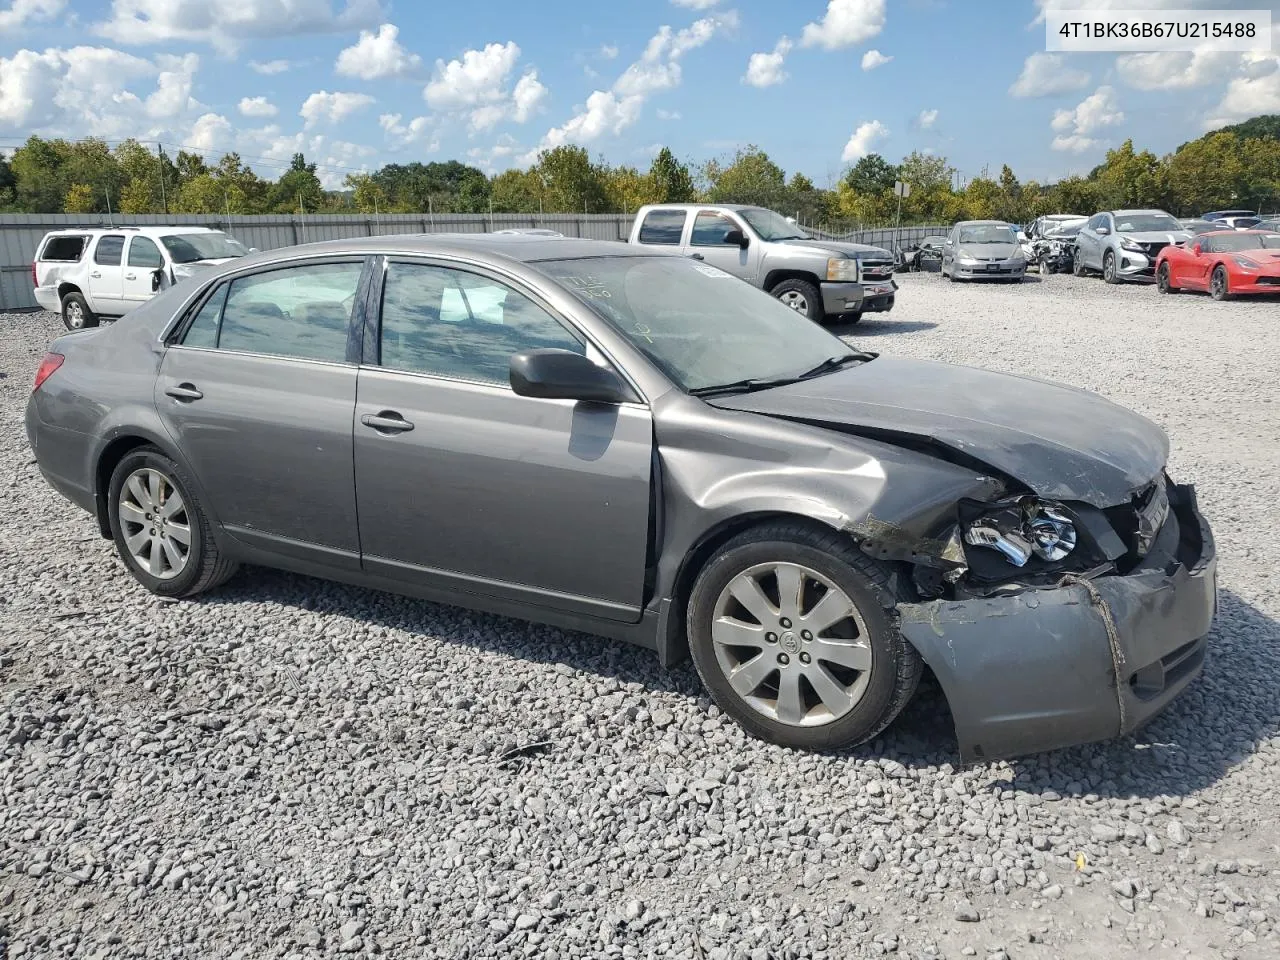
988, 269
858, 297
1036, 671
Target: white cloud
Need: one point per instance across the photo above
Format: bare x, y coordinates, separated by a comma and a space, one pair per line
1047, 74
1074, 127
210, 133
696, 4
1246, 97
476, 85
329, 107
874, 58
225, 25
400, 134
864, 140
927, 119
376, 56
90, 91
845, 24
612, 111
667, 114
257, 107
269, 67
21, 12
765, 69
608, 52
1176, 69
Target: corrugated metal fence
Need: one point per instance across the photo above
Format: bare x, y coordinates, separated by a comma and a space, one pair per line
20, 233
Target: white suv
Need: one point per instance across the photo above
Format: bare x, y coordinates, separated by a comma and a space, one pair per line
95, 272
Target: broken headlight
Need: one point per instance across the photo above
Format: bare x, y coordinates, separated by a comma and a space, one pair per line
1023, 528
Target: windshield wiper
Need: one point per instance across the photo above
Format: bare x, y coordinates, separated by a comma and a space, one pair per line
834, 363
742, 386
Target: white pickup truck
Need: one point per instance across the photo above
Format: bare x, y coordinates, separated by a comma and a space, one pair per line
93, 272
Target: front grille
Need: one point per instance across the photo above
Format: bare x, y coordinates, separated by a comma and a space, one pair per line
1153, 249
1268, 281
1155, 678
875, 269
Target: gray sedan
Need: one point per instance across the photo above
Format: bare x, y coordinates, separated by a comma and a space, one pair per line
983, 250
618, 440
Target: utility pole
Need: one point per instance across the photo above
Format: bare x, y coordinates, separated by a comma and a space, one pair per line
302, 220
164, 200
431, 212
110, 218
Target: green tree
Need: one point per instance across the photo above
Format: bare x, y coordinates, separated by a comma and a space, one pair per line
8, 185
1131, 179
366, 195
201, 194
626, 189
871, 175
1075, 195
571, 182
751, 177
190, 166
40, 176
246, 192
1009, 204
298, 187
79, 199
136, 197
930, 179
516, 191
672, 181
982, 199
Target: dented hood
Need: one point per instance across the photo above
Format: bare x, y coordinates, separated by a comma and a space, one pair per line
1061, 442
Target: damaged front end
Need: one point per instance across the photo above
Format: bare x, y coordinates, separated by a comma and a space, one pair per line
1064, 623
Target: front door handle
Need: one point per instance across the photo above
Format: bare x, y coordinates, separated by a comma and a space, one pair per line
185, 392
130, 276
696, 256
97, 274
388, 421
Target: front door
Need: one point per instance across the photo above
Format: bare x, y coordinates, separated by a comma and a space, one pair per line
1198, 265
141, 261
106, 275
463, 485
259, 395
707, 242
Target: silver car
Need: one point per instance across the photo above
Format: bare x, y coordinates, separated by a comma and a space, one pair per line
983, 250
627, 442
1124, 244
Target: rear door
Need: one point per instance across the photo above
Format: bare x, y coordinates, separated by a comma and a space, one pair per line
464, 486
142, 260
663, 227
106, 275
707, 242
259, 393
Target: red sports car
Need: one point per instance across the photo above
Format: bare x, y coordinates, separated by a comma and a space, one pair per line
1224, 262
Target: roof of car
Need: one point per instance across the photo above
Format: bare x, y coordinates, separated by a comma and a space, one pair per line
150, 229
523, 247
703, 206
977, 223
1129, 213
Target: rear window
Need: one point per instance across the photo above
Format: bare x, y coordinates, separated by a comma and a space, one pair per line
662, 226
108, 251
68, 249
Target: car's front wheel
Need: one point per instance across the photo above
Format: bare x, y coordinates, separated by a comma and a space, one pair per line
792, 633
1109, 274
1164, 282
1077, 263
76, 314
160, 530
1219, 286
801, 296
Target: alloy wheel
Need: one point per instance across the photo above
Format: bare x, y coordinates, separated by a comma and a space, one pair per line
154, 521
1218, 284
75, 315
792, 644
796, 301
1109, 268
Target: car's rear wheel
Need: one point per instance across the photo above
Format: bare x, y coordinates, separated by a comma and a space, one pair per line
1219, 286
1109, 274
76, 314
1077, 263
160, 530
1164, 282
792, 633
801, 296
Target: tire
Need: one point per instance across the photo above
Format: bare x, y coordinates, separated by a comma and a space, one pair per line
76, 314
1219, 284
204, 566
1163, 283
1077, 263
801, 296
1109, 268
868, 699
852, 318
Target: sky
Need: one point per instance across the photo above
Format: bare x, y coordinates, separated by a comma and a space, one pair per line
355, 84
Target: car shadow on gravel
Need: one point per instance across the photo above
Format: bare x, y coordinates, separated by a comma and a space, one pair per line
1213, 726
876, 328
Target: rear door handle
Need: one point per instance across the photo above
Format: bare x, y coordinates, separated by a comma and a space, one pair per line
696, 256
96, 274
388, 421
130, 276
185, 392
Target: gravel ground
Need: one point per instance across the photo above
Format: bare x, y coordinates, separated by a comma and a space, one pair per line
293, 768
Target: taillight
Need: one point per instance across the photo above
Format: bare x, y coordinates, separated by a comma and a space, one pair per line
35, 280
50, 363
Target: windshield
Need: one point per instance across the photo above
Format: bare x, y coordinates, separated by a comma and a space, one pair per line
1237, 242
701, 326
772, 226
190, 247
988, 233
1143, 222
1064, 228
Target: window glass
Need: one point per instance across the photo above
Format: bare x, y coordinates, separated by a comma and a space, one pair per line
144, 253
457, 324
108, 251
662, 226
709, 229
203, 331
299, 312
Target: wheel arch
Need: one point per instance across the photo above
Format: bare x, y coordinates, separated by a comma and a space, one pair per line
779, 274
118, 444
67, 287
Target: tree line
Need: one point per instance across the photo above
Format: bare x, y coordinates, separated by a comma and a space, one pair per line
1234, 167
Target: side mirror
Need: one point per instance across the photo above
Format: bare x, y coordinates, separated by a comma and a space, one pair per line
1102, 231
157, 277
737, 237
1197, 249
555, 374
